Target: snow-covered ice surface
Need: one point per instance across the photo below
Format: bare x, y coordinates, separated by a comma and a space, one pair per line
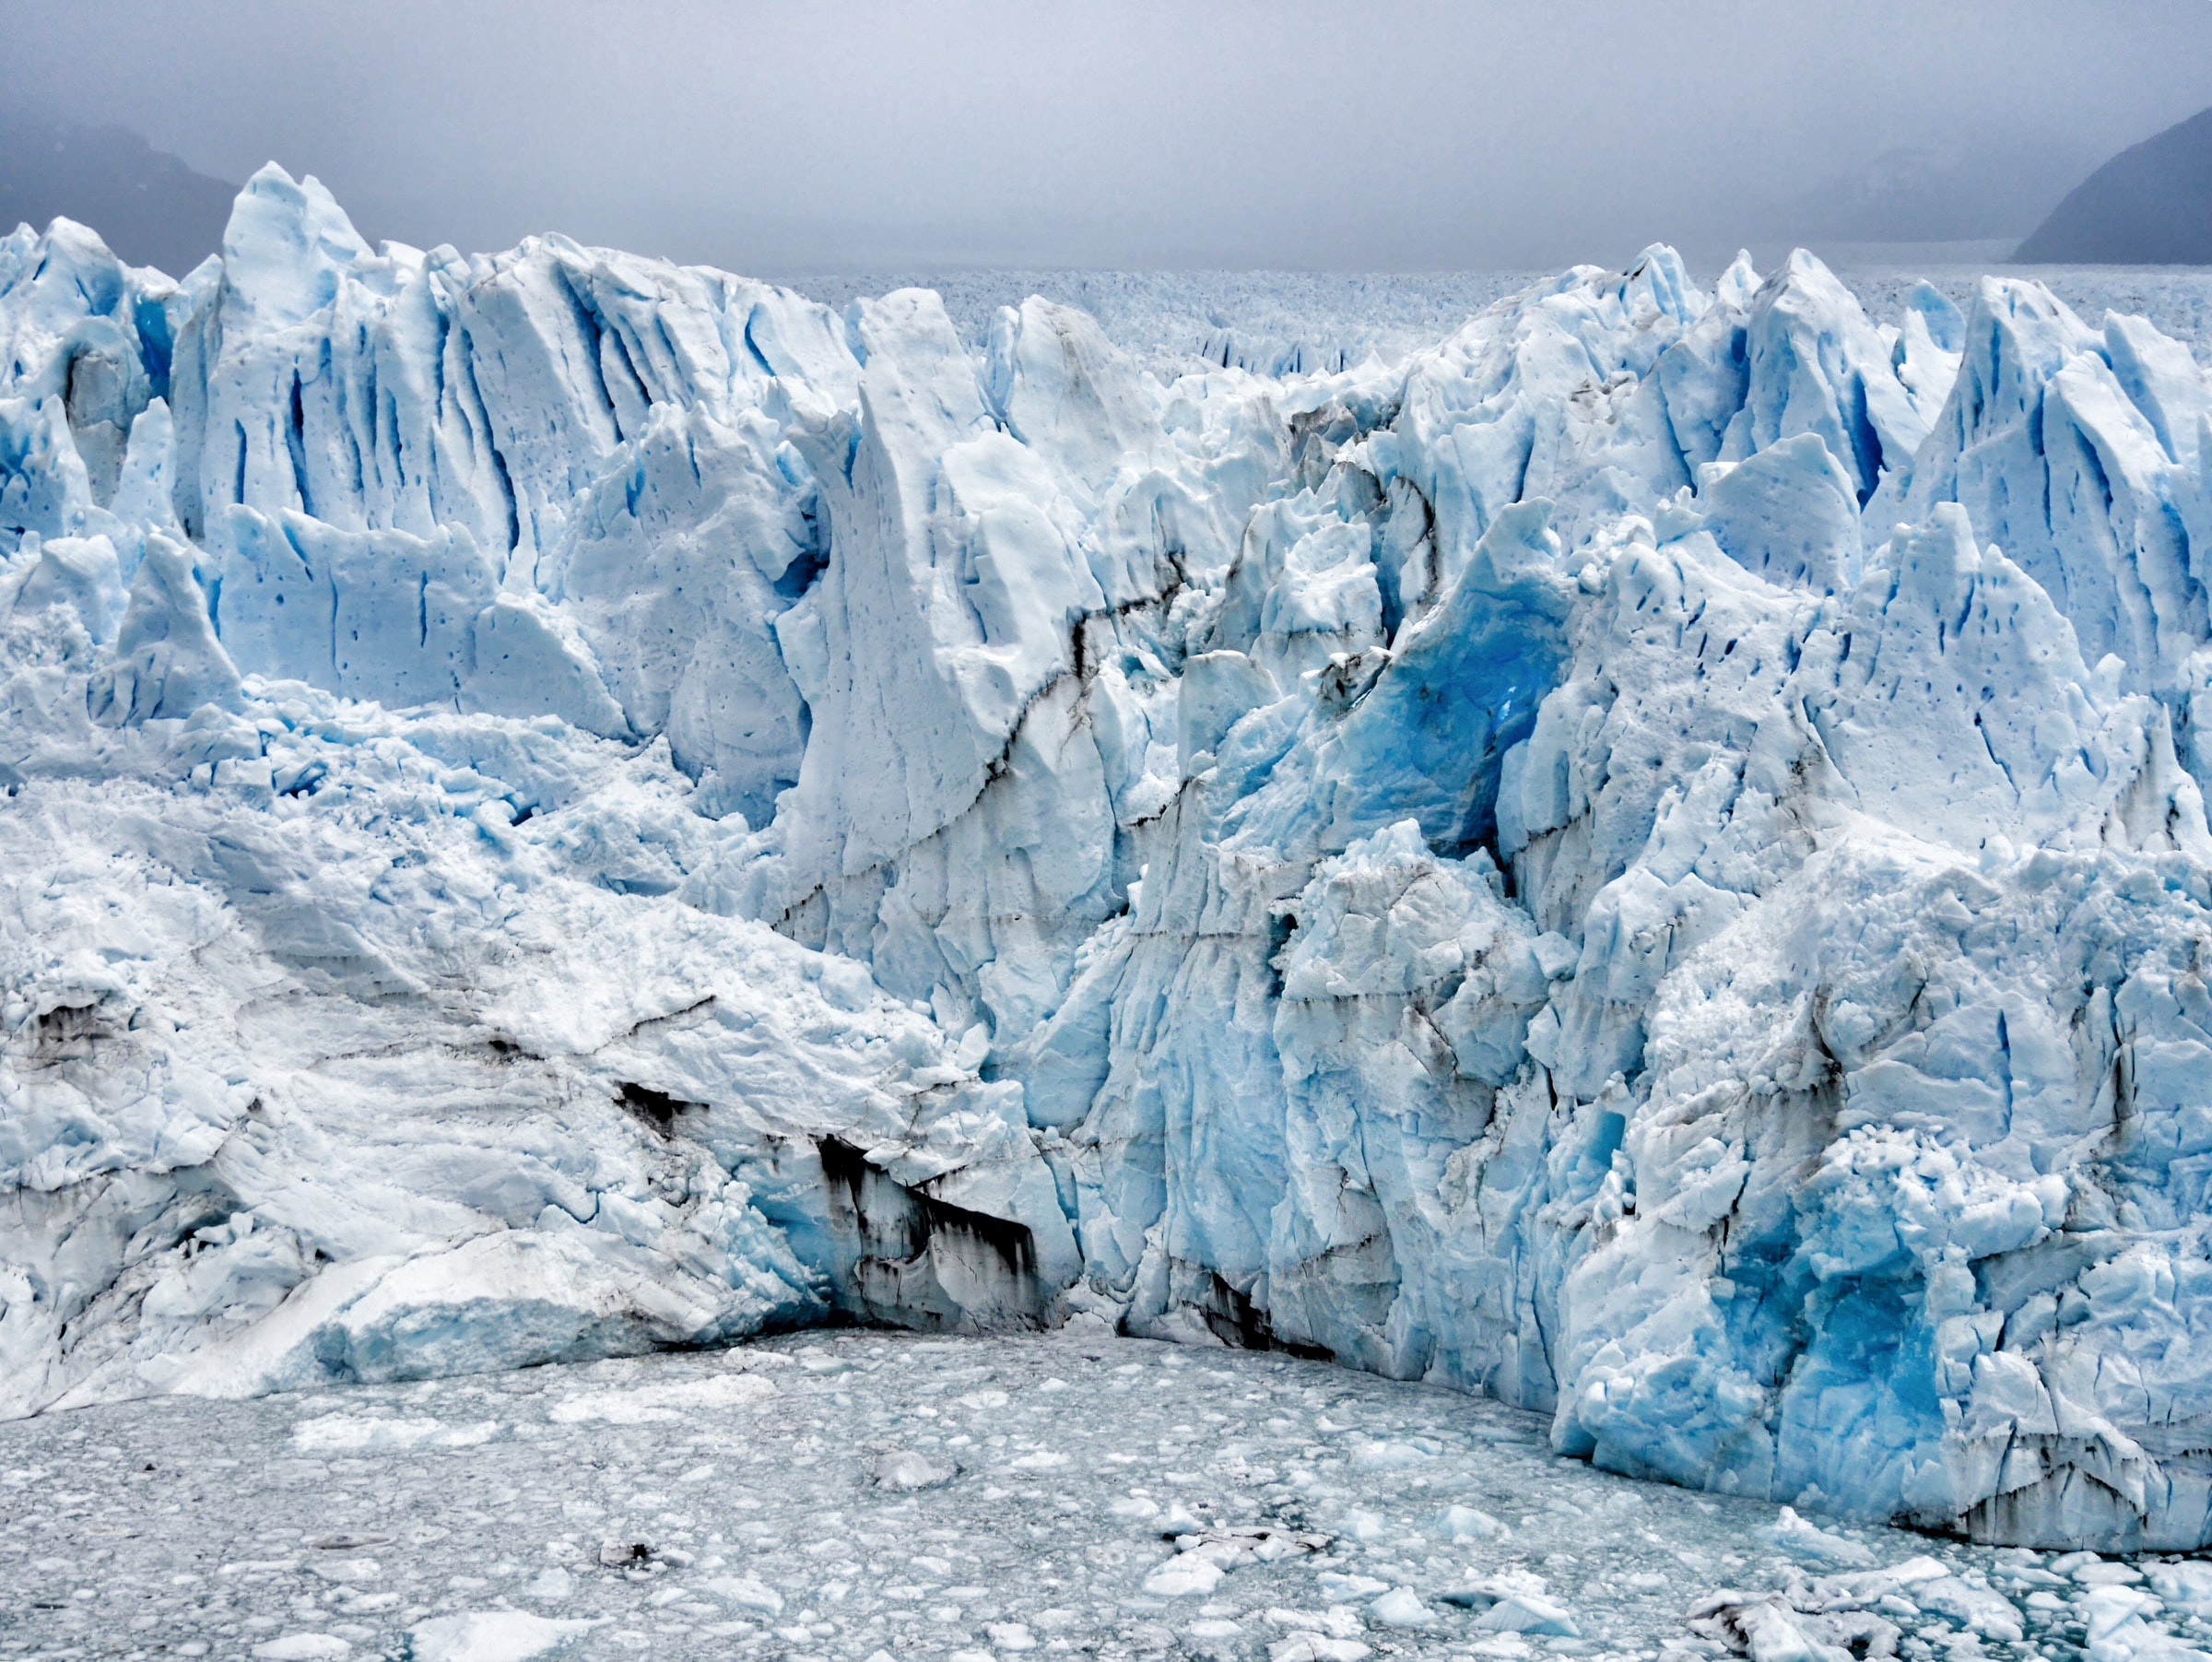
2178, 300
1285, 322
864, 1494
1644, 855
1274, 323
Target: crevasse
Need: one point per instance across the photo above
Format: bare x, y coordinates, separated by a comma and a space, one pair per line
1648, 858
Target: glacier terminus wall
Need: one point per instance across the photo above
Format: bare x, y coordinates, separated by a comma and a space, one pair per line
1648, 858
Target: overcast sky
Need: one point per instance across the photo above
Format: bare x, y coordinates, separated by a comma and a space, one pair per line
1368, 134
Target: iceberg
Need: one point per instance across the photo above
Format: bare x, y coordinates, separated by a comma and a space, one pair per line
1647, 858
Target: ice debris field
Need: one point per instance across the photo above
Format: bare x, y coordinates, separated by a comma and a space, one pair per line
1645, 858
978, 1500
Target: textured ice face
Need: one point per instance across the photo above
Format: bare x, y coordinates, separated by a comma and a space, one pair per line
1647, 857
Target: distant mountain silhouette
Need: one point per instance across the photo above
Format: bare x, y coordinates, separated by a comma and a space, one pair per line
148, 205
1920, 195
2148, 205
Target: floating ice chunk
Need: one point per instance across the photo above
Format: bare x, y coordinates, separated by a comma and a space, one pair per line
332, 1433
1529, 1613
1866, 1586
2187, 1586
1010, 1636
1223, 1550
1314, 1647
1183, 1576
1230, 1546
492, 1636
1985, 1610
2099, 1574
745, 1592
1401, 1606
349, 1571
1341, 1586
1778, 1634
2118, 1627
1805, 1539
302, 1647
1363, 1525
904, 1469
658, 1404
1388, 1456
1775, 1626
1482, 1593
1340, 1621
1461, 1523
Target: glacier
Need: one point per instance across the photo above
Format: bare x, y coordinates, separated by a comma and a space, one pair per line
1646, 858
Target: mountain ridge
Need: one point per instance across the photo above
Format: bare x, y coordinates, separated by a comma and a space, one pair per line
2151, 205
151, 207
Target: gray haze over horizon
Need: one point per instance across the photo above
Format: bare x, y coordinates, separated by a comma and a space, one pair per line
781, 138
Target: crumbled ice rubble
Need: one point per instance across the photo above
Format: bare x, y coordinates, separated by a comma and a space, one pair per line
1644, 855
1221, 1504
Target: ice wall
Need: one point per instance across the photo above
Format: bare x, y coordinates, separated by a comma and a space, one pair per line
1648, 858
